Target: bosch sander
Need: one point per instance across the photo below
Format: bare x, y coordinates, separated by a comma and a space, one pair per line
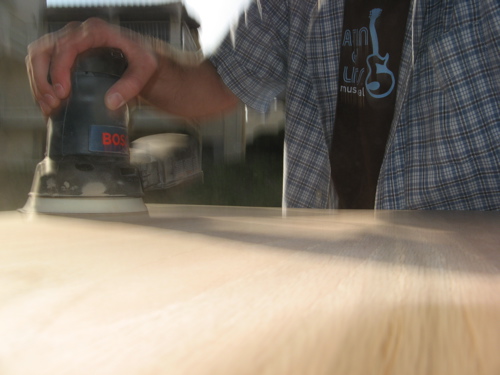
87, 167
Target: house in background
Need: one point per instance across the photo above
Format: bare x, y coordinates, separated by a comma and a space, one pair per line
172, 162
23, 128
24, 21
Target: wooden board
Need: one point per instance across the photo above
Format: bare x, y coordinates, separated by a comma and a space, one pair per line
218, 290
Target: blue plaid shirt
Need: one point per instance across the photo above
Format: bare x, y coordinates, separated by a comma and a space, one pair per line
443, 150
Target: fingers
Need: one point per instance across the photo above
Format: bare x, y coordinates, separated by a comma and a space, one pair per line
142, 65
77, 38
55, 53
38, 63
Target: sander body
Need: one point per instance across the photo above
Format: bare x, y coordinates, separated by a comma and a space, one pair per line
87, 166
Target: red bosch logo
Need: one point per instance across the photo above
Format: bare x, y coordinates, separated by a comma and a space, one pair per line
114, 139
103, 138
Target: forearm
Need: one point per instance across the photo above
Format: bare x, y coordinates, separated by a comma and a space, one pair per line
188, 89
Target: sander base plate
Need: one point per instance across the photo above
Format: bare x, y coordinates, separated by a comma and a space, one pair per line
94, 205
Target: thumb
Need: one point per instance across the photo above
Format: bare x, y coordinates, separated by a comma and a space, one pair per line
133, 81
114, 100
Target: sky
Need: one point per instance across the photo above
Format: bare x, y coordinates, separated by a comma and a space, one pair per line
215, 16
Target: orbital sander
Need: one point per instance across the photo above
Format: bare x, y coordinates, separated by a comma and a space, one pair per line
87, 169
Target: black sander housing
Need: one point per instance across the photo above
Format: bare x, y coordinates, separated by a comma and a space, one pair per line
87, 164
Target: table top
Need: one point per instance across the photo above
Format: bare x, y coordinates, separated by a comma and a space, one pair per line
233, 290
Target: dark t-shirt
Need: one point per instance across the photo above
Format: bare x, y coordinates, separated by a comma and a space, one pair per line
373, 35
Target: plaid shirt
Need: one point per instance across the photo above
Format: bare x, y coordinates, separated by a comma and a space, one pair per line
443, 150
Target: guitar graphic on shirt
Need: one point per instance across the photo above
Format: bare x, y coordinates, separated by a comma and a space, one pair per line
380, 80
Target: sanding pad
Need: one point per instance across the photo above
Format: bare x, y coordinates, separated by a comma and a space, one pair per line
80, 205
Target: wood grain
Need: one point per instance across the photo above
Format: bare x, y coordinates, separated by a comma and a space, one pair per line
219, 290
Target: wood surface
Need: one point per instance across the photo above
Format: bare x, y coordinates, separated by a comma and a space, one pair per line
218, 290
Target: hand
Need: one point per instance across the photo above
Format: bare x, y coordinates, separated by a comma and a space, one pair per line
55, 54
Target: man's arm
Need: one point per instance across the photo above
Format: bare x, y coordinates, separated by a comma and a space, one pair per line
188, 90
180, 84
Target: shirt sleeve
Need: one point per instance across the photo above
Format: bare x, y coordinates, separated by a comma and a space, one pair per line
254, 66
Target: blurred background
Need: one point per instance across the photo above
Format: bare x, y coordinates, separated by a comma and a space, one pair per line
240, 154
